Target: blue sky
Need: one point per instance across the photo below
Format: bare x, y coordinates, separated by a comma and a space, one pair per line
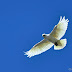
22, 23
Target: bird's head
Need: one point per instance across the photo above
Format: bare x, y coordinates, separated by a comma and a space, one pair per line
45, 35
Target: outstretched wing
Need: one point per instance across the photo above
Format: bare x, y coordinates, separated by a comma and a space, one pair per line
40, 47
60, 29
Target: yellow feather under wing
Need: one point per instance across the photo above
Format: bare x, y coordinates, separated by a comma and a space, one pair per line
39, 48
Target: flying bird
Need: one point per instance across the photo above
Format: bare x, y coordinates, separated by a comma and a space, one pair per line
54, 38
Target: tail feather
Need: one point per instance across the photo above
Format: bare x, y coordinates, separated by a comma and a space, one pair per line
61, 44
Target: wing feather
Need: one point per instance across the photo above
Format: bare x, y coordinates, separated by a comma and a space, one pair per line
40, 47
60, 29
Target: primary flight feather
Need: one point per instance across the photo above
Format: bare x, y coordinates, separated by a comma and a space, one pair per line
51, 39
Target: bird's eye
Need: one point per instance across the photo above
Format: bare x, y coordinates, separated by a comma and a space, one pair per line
43, 35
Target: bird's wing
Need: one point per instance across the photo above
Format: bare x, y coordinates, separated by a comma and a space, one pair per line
60, 29
40, 47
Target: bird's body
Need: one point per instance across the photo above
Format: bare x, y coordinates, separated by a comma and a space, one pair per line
51, 39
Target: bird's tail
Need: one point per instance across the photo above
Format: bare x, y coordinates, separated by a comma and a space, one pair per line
60, 44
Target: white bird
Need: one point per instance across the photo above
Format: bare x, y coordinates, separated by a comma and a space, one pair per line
51, 39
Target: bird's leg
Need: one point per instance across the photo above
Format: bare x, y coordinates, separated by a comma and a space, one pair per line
56, 43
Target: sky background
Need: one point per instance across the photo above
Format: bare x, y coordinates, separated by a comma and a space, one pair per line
22, 23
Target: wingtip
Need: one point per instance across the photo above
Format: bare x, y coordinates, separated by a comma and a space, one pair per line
63, 19
67, 20
28, 54
60, 18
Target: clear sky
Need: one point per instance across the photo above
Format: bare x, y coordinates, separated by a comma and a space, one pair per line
22, 23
